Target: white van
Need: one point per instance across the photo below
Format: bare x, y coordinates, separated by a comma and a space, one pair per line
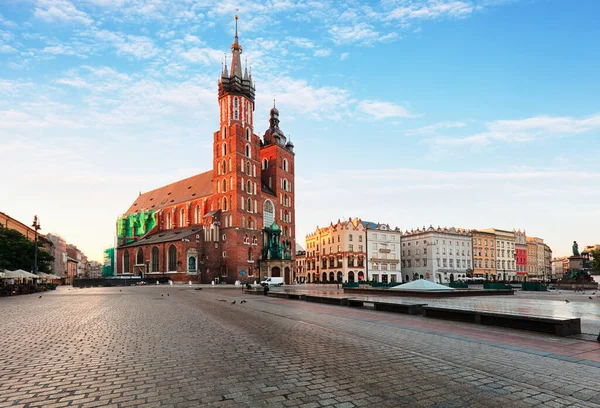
272, 282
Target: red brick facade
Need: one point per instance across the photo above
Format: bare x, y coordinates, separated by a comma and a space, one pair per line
217, 218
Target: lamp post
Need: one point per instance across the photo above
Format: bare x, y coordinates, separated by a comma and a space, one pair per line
36, 226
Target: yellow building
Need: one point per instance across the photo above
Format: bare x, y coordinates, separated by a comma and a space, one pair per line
484, 254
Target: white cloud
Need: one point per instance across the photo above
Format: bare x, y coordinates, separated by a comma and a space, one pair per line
6, 49
56, 11
522, 130
192, 39
301, 42
361, 34
431, 9
322, 53
432, 129
139, 46
384, 110
206, 56
344, 56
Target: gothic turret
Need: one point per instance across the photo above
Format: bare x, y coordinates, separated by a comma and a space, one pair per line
235, 82
274, 135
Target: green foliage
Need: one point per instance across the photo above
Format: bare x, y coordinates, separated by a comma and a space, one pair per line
17, 252
596, 260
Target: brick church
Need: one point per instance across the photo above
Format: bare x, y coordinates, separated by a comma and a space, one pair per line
233, 222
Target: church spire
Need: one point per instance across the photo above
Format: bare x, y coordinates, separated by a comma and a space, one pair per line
236, 80
236, 49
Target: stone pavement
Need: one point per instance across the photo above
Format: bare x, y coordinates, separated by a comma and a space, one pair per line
177, 347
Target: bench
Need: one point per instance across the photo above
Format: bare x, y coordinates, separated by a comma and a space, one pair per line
406, 308
253, 291
560, 326
328, 300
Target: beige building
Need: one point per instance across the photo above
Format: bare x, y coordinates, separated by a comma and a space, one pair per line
538, 263
506, 266
300, 265
384, 252
336, 253
484, 255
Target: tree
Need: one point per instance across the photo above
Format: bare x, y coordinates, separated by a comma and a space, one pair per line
17, 252
596, 260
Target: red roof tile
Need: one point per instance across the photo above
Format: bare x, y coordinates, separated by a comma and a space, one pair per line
181, 191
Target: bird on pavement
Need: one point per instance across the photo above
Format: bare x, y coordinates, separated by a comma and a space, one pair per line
567, 301
242, 301
40, 297
162, 295
120, 290
590, 297
168, 294
233, 303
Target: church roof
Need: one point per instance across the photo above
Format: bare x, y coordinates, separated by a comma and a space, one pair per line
166, 236
181, 191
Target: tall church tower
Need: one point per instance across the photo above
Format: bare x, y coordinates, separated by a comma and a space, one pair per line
236, 168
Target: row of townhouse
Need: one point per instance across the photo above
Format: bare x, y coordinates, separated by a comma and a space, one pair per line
355, 250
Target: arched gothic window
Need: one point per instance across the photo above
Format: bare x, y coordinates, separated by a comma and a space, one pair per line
246, 239
172, 258
125, 262
224, 203
224, 189
285, 164
154, 260
249, 187
247, 130
236, 111
139, 258
285, 185
248, 168
223, 167
224, 149
249, 205
268, 213
254, 240
265, 164
248, 151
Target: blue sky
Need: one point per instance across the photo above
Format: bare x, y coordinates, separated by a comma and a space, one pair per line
466, 113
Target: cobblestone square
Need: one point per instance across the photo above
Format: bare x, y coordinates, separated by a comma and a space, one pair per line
177, 347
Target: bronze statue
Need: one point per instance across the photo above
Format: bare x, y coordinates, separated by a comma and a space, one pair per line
575, 248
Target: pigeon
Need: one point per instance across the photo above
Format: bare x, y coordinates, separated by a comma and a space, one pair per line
243, 301
168, 294
233, 303
590, 297
40, 297
162, 295
120, 290
594, 293
567, 301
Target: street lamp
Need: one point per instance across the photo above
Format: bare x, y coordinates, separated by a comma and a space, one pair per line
36, 226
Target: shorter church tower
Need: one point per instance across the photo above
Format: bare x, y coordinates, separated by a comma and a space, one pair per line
277, 173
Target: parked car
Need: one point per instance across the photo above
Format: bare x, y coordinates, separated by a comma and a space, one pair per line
272, 282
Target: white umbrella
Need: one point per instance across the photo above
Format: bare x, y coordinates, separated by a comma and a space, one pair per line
26, 274
1, 274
